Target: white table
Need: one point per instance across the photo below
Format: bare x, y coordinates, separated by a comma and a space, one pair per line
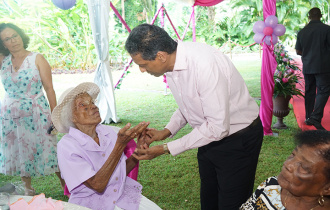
66, 205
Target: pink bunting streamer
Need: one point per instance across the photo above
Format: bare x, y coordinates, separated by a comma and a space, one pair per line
186, 29
119, 16
162, 22
169, 19
156, 15
126, 67
193, 24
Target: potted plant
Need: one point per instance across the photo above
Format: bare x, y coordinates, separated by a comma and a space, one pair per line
286, 77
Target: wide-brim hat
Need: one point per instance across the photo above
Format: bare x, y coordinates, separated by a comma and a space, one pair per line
62, 113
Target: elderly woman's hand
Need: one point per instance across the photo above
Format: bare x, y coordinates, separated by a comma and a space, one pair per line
126, 134
144, 140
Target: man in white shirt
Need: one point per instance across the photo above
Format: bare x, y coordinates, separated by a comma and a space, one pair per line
213, 98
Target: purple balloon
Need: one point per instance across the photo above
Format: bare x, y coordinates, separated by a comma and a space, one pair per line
64, 4
258, 27
279, 30
271, 21
258, 37
268, 40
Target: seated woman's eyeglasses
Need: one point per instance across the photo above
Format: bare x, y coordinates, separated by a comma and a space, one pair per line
15, 36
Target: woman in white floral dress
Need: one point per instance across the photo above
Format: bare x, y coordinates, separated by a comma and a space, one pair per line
26, 149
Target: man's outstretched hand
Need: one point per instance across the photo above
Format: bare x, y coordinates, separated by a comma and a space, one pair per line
149, 153
156, 135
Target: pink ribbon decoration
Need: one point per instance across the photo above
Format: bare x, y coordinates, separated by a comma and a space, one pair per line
268, 68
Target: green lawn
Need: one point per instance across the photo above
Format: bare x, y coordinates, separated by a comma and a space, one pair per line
173, 182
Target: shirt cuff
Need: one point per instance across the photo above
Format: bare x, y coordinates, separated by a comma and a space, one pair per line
175, 147
173, 129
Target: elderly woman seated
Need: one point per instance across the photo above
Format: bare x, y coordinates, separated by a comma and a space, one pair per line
91, 157
304, 182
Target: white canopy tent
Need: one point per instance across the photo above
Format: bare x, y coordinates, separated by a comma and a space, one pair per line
99, 19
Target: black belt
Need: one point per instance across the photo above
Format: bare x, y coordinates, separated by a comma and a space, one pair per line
240, 132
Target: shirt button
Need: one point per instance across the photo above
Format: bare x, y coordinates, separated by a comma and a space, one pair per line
115, 190
103, 155
114, 202
116, 178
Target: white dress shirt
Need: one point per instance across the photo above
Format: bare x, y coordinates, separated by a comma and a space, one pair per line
211, 95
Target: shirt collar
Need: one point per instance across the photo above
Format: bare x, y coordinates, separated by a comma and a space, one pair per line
87, 141
79, 136
180, 59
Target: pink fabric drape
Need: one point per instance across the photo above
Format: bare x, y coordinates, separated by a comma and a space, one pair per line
128, 151
268, 68
207, 2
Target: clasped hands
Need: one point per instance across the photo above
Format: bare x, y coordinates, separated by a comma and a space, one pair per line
145, 136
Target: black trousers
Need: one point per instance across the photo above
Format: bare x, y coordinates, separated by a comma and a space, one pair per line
315, 102
227, 168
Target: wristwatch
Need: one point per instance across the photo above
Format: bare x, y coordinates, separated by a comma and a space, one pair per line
166, 151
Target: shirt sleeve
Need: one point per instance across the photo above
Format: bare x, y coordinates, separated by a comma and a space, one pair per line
177, 122
213, 83
75, 169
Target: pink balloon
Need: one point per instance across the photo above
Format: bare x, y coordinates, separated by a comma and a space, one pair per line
271, 21
268, 31
268, 40
279, 30
258, 37
258, 27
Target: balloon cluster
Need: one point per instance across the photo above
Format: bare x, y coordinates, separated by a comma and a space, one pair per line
268, 31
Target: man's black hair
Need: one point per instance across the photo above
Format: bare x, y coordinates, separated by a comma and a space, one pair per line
147, 40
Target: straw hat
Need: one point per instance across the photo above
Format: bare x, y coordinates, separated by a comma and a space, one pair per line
62, 113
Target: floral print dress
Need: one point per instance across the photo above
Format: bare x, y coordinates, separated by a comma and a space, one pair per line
25, 147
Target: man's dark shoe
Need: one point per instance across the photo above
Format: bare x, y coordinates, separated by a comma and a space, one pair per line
316, 124
308, 122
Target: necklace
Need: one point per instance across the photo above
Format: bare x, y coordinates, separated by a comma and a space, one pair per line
19, 60
286, 197
16, 68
